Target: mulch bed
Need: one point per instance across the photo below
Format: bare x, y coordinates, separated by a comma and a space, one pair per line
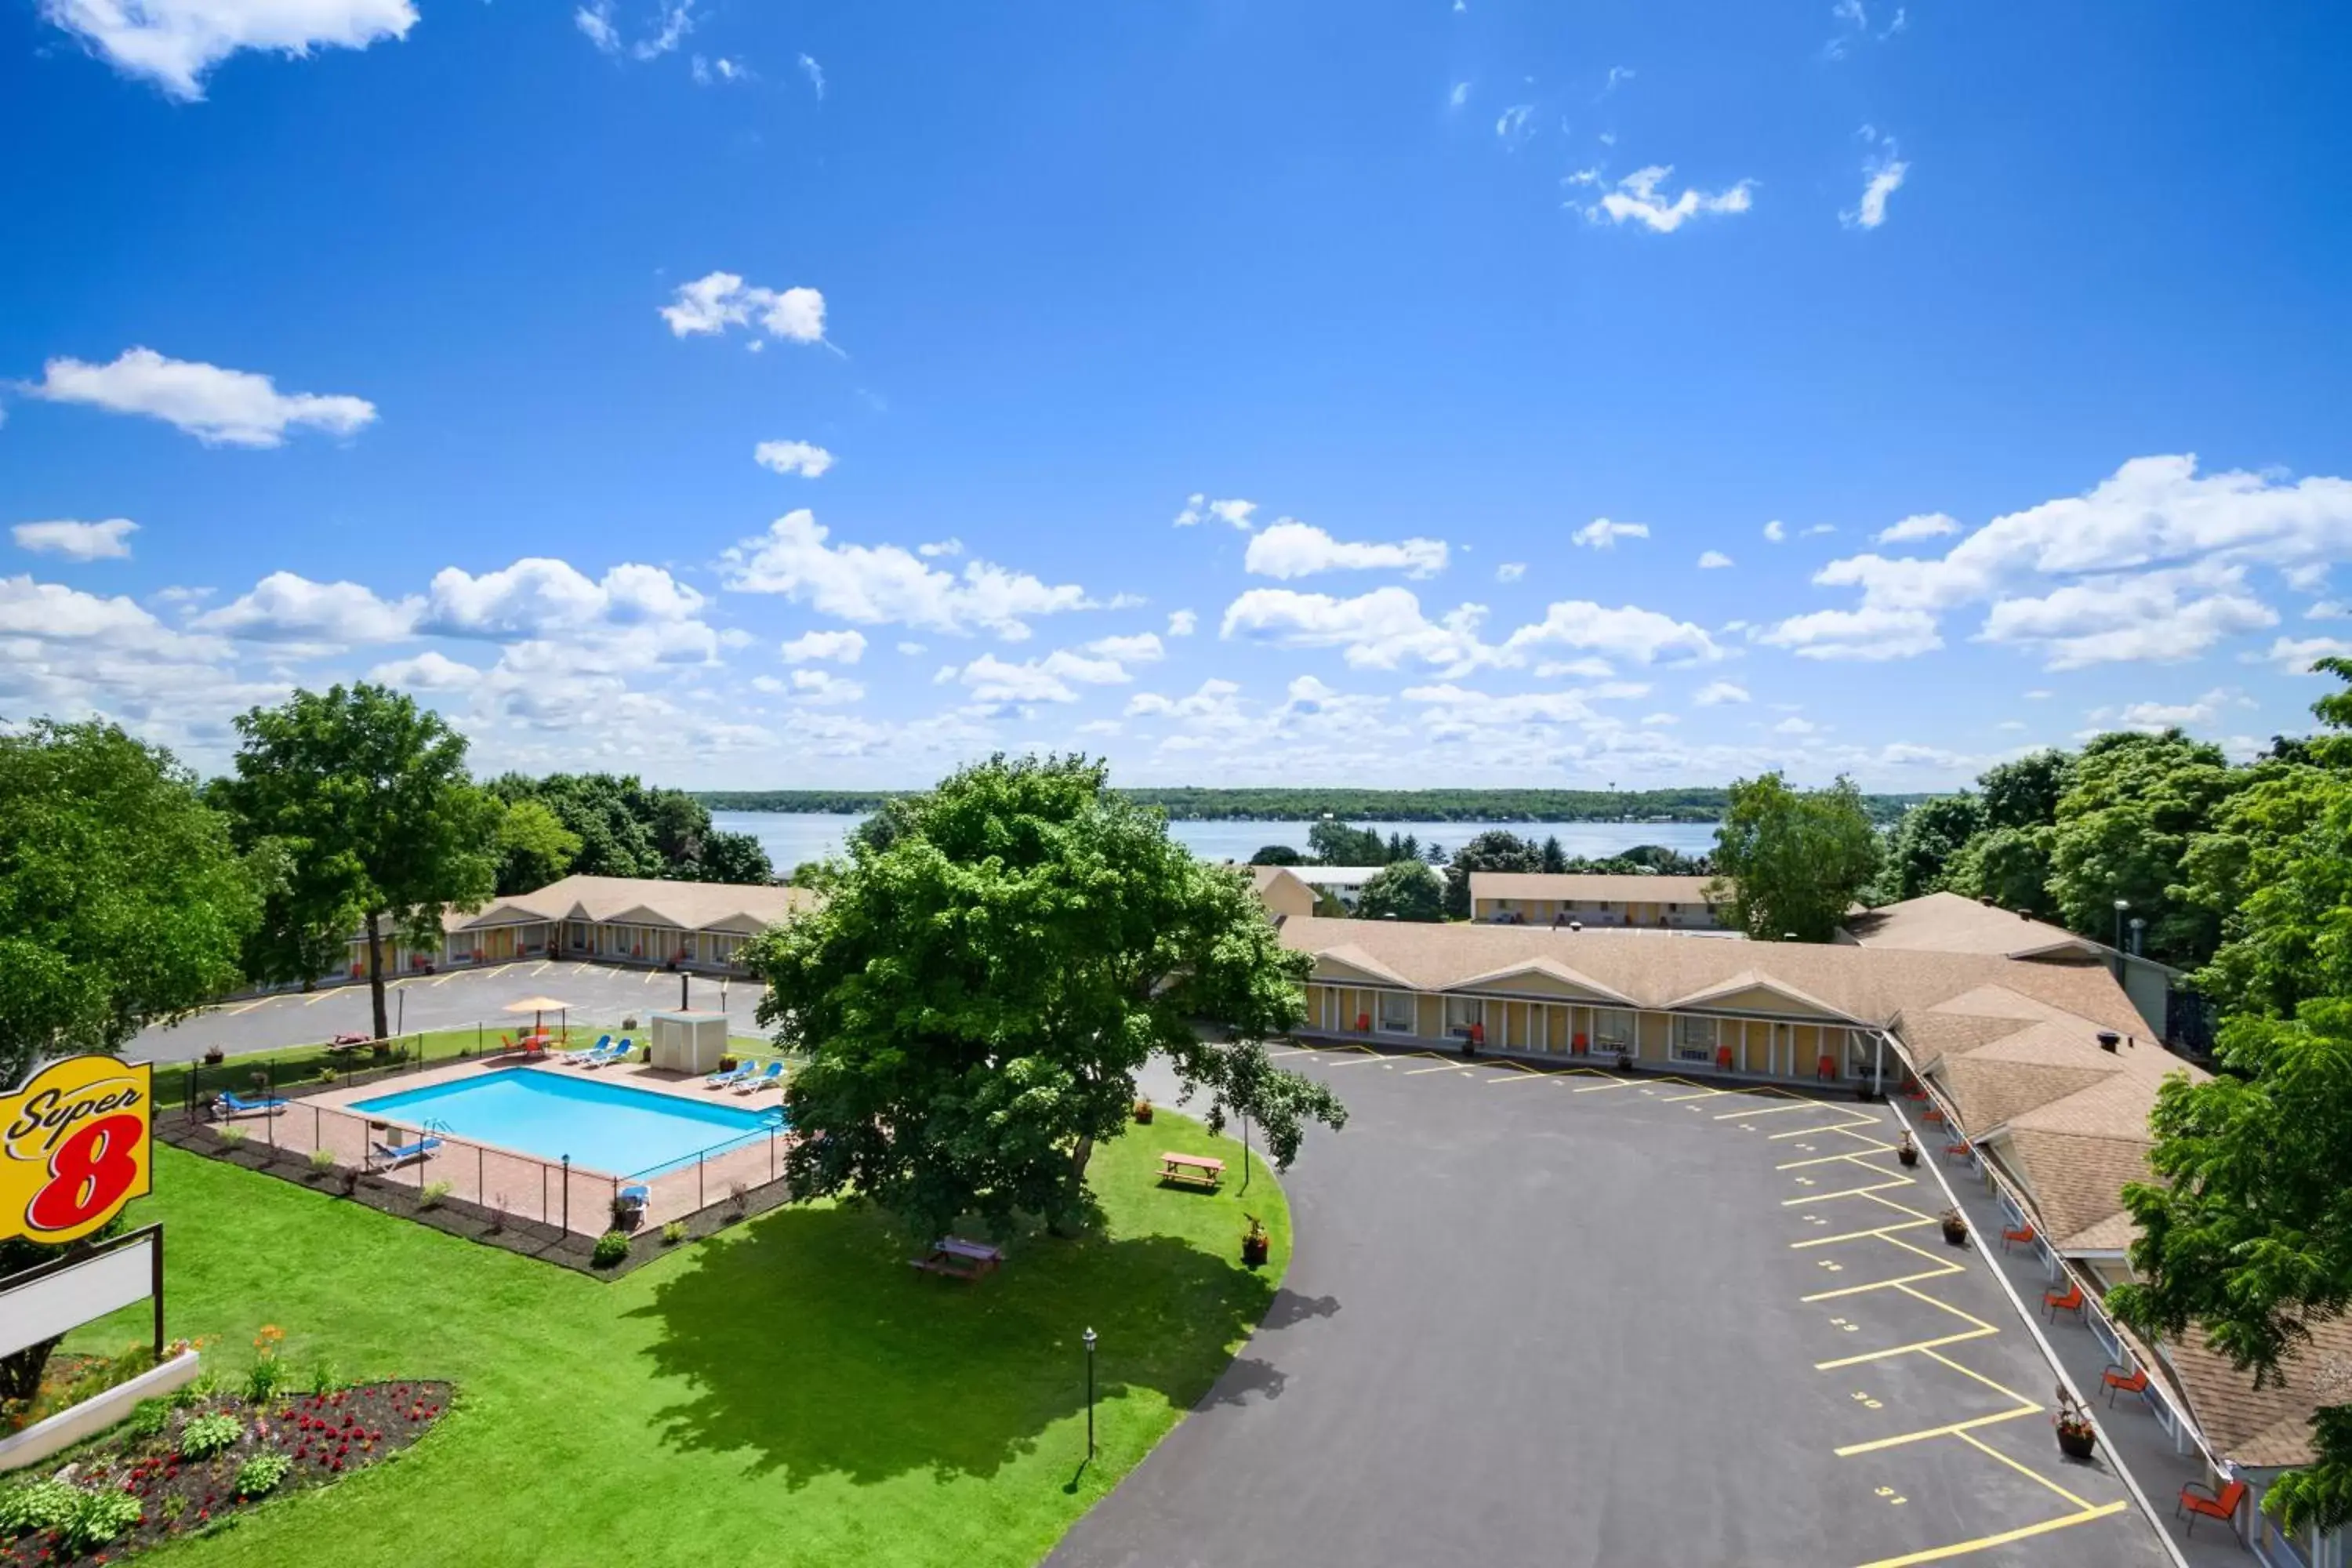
326, 1436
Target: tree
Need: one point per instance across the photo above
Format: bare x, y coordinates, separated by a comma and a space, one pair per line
2248, 1236
1278, 855
368, 796
1404, 891
1788, 863
2025, 792
534, 847
1554, 859
979, 993
1334, 843
1493, 851
123, 900
738, 858
1929, 835
1242, 1081
2133, 804
2010, 865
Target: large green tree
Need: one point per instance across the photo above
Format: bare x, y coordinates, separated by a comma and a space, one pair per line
628, 828
1788, 863
367, 796
124, 902
1924, 841
1336, 843
2025, 792
1493, 851
534, 847
1403, 891
991, 971
2133, 804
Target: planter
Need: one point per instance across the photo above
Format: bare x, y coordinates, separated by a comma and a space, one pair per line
215, 1056
1908, 1155
1143, 1114
1955, 1231
2077, 1442
1255, 1249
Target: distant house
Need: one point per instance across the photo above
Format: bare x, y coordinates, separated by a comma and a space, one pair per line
1947, 922
1281, 890
617, 919
1591, 899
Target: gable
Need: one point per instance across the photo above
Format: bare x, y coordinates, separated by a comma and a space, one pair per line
1544, 977
1351, 965
1749, 992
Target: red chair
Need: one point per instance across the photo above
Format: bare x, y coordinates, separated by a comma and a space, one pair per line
2025, 1236
1579, 1046
2221, 1505
2070, 1300
2117, 1382
1826, 1068
1959, 1151
1723, 1059
1934, 1113
1363, 1023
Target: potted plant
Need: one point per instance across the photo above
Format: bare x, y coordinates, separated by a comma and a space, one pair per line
2076, 1436
215, 1056
1143, 1114
1256, 1244
1907, 1152
1956, 1229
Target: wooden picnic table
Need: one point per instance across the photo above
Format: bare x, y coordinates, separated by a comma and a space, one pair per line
1193, 1171
959, 1260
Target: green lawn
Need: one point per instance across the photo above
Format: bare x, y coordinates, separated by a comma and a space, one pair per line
789, 1392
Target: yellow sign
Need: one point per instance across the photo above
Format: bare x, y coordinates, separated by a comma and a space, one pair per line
74, 1147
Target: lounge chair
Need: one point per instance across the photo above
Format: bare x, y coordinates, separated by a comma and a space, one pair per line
731, 1077
382, 1156
622, 1051
636, 1198
588, 1057
757, 1082
230, 1105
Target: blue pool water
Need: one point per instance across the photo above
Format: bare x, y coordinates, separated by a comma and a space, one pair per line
602, 1125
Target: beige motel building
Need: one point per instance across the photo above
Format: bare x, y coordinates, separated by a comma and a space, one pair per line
1591, 899
613, 919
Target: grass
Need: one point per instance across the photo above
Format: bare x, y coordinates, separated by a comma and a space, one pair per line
787, 1392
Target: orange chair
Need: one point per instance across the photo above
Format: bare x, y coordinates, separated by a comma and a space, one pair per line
2070, 1300
1826, 1068
2221, 1505
1959, 1151
1723, 1059
2118, 1382
2025, 1236
1579, 1046
1933, 1113
1363, 1023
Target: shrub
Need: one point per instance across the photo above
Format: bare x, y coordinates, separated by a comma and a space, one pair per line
322, 1160
325, 1376
205, 1436
268, 1379
674, 1232
261, 1474
148, 1418
36, 1505
197, 1389
738, 1199
98, 1517
629, 1024
174, 1506
611, 1248
233, 1137
433, 1194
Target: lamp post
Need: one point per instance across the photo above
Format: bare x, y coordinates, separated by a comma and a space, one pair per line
2138, 933
1090, 1393
2121, 905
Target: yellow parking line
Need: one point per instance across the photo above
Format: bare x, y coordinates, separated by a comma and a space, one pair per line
1953, 1430
1440, 1067
1525, 1074
1961, 1548
1852, 1156
2001, 1388
1294, 1051
1767, 1111
1857, 1235
244, 1006
1844, 1193
2022, 1470
1357, 1059
1879, 1285
1613, 1083
317, 996
1904, 1349
1702, 1094
448, 977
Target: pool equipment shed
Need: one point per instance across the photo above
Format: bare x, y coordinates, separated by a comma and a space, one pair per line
688, 1042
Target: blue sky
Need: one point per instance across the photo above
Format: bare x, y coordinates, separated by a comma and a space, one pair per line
1494, 392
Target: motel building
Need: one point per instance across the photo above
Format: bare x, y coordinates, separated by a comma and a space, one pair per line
1591, 899
698, 926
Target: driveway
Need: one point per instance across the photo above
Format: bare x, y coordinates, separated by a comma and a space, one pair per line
1544, 1319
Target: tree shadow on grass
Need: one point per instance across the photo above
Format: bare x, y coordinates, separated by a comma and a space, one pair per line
808, 1344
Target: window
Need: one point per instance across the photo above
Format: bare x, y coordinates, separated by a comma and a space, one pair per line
1693, 1039
1462, 1012
1396, 1012
1611, 1030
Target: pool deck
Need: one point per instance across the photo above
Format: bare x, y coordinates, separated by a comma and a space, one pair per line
526, 1185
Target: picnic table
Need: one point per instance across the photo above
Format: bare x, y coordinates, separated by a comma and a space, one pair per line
1193, 1171
959, 1259
342, 1044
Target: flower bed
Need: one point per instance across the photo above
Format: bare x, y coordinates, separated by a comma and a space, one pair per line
179, 1467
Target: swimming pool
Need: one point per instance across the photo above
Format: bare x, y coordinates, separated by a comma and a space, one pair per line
602, 1126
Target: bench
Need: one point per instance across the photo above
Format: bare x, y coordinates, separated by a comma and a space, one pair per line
959, 1259
1193, 1171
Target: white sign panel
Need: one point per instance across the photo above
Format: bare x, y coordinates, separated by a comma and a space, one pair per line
63, 1302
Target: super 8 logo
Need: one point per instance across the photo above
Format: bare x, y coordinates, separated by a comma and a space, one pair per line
74, 1147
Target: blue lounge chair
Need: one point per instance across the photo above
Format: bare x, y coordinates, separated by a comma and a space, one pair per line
636, 1198
733, 1075
760, 1081
382, 1156
230, 1105
588, 1057
619, 1052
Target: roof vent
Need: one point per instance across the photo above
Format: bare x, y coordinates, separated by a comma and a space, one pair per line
2025, 914
2109, 1039
1985, 898
1576, 925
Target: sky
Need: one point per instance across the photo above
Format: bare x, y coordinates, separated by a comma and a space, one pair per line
1446, 394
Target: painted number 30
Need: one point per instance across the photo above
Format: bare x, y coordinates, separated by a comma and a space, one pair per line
90, 1171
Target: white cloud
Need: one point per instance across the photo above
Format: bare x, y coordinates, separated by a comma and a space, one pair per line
1869, 634
428, 671
911, 649
284, 607
1182, 622
1459, 96
721, 70
1213, 701
815, 72
2009, 724
538, 596
1716, 693
1627, 632
677, 21
1603, 534
1882, 176
1511, 571
1616, 74
2296, 655
1456, 710
218, 408
2155, 616
822, 686
107, 541
2325, 610
1048, 679
1199, 508
1927, 525
2040, 694
595, 22
803, 457
1586, 669
1818, 528
1294, 549
2152, 717
1636, 200
1143, 647
1378, 630
1793, 725
937, 548
1776, 530
1660, 719
843, 648
1712, 560
173, 43
1512, 124
717, 300
880, 584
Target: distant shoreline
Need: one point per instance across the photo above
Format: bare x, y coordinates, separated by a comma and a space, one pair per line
1291, 804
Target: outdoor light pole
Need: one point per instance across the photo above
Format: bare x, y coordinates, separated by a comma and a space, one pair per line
2121, 905
1090, 1393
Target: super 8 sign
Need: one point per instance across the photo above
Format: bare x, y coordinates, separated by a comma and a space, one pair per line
74, 1147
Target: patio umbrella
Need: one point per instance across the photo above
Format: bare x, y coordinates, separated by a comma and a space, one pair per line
539, 1005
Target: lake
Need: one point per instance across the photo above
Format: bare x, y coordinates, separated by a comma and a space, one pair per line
791, 836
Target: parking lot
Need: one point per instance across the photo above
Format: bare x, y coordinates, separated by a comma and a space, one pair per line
599, 994
1583, 1320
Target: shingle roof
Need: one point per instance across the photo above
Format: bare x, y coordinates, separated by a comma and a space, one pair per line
2266, 1428
1947, 922
1592, 887
689, 906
